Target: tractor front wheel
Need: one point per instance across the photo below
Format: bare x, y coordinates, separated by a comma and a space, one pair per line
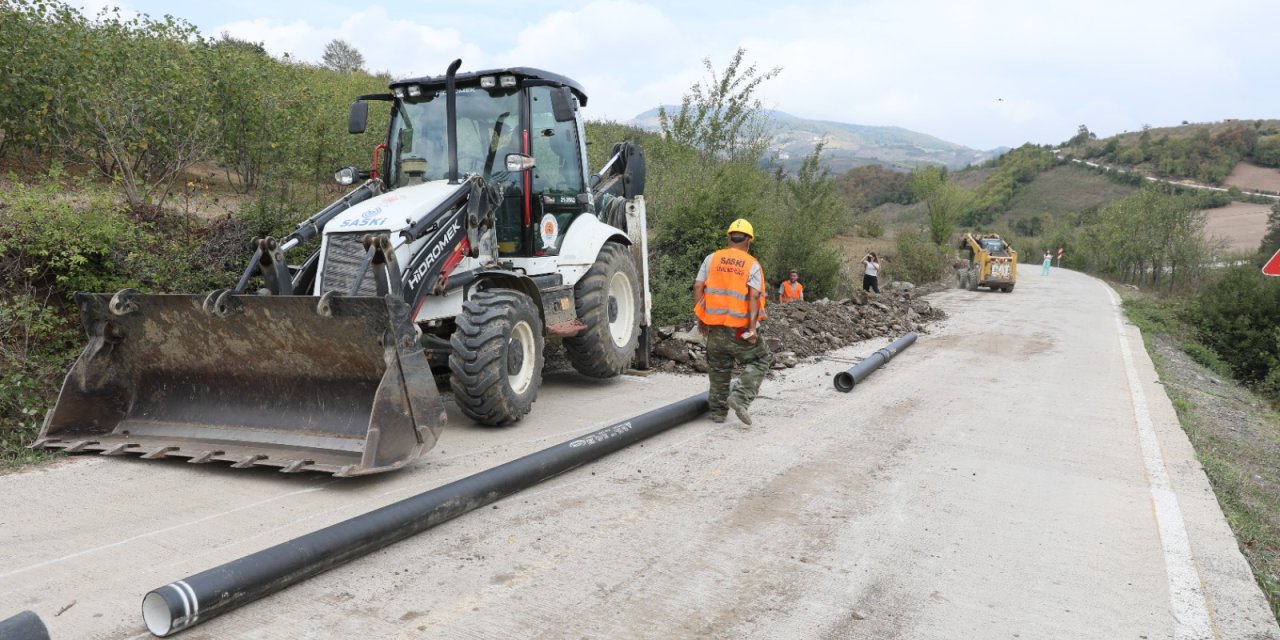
497, 357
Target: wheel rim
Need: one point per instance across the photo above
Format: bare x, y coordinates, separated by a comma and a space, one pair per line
621, 309
520, 358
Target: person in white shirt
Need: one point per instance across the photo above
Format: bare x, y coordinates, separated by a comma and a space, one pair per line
871, 273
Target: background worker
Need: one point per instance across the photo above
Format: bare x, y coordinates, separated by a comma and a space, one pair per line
1048, 259
791, 290
871, 273
728, 300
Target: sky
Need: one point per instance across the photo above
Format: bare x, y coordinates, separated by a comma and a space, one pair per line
981, 73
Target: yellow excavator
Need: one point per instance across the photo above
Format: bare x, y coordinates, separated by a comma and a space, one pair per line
992, 262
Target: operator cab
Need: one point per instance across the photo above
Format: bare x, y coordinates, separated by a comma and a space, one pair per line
499, 112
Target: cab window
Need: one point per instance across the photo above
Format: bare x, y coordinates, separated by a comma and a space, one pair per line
555, 146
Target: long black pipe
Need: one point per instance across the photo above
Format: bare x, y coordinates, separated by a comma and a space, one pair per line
858, 372
24, 626
195, 599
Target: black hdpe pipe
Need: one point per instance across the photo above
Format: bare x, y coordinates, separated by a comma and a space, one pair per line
197, 598
859, 372
24, 626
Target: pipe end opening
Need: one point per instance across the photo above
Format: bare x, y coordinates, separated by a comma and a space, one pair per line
156, 614
844, 381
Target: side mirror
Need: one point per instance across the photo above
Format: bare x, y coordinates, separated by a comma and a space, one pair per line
358, 118
562, 105
518, 162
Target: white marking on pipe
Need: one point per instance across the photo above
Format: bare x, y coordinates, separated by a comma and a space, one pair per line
186, 607
1187, 601
194, 616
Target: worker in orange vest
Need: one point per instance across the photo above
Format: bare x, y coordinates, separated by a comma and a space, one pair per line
728, 298
791, 290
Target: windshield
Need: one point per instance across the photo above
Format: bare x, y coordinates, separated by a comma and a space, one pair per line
994, 246
487, 124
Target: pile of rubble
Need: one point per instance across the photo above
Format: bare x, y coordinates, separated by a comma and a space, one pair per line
800, 330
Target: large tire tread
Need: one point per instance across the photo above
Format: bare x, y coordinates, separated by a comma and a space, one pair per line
478, 361
593, 352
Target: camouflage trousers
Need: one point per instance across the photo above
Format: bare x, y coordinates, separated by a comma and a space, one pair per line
723, 352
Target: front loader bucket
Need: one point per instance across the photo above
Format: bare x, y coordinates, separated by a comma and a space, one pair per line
336, 384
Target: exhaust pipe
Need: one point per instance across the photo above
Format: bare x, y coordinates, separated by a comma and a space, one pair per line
451, 117
195, 599
859, 372
24, 626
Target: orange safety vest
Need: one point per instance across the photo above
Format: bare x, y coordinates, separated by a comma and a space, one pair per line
724, 300
791, 293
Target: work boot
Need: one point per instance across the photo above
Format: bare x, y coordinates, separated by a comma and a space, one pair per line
739, 410
717, 419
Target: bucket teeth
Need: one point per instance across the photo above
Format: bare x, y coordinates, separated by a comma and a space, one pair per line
296, 466
119, 449
158, 453
248, 461
79, 445
204, 457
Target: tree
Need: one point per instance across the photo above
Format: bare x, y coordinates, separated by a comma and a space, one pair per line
722, 118
1271, 241
810, 218
1083, 135
341, 56
946, 201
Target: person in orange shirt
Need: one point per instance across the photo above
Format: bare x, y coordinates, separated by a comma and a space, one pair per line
791, 290
729, 302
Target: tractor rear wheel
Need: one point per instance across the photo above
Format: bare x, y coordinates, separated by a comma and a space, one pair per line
608, 302
497, 357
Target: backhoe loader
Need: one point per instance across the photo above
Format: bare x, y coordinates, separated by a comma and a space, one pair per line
992, 263
476, 235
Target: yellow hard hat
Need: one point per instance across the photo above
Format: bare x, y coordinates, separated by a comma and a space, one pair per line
741, 226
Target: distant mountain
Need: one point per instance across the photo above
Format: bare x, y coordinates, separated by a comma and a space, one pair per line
853, 145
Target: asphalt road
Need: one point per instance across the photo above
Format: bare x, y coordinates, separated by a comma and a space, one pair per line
1017, 473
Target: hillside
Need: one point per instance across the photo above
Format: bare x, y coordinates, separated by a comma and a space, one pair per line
852, 145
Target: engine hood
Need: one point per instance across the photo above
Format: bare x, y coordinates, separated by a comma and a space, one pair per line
394, 210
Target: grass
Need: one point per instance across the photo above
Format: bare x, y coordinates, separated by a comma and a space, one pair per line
1235, 434
1063, 190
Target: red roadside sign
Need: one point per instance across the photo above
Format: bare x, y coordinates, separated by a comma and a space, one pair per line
1272, 267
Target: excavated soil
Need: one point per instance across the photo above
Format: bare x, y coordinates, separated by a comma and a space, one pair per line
802, 330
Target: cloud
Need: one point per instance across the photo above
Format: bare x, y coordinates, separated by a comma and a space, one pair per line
983, 73
401, 47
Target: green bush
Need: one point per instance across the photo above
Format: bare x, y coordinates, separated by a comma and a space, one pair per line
916, 259
1207, 358
53, 244
1235, 315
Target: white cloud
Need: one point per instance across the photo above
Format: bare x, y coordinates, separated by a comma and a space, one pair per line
983, 73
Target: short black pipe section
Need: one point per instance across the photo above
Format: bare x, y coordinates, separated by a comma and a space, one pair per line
845, 380
24, 626
185, 603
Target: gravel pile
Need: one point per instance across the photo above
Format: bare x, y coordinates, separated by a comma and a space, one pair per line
800, 330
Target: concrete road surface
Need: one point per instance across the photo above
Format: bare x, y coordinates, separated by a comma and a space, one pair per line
1018, 473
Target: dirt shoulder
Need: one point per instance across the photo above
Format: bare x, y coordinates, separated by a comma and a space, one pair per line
1237, 441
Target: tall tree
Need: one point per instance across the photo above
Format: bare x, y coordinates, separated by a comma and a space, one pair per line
803, 231
339, 55
722, 118
947, 202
